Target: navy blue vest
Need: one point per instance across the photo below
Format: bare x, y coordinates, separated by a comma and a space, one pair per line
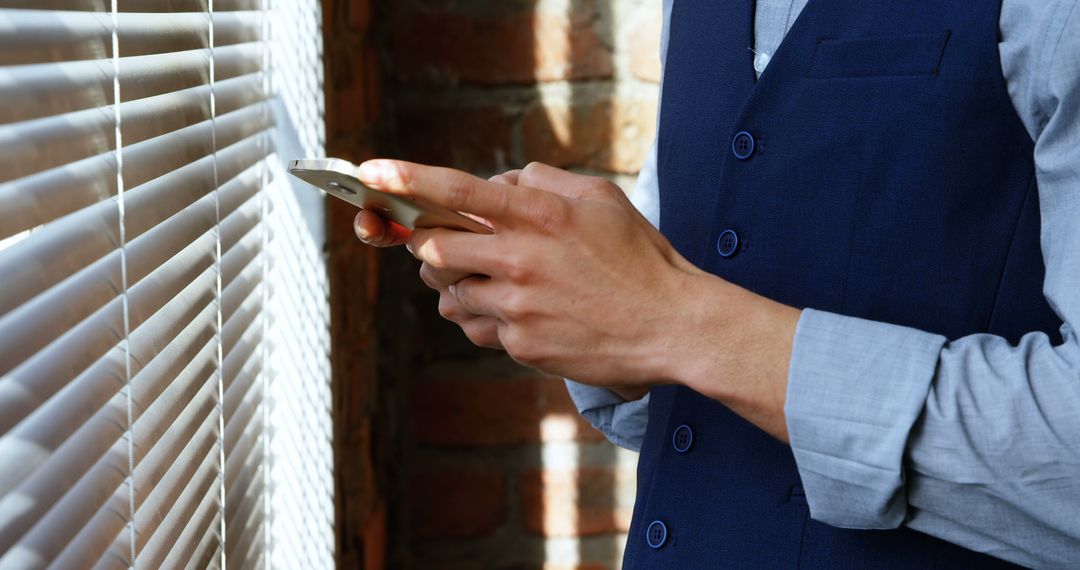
877, 169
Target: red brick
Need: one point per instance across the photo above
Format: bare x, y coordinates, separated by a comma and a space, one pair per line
487, 412
515, 47
569, 503
613, 135
473, 139
458, 503
359, 14
645, 49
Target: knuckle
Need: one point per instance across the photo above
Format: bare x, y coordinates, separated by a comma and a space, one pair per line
515, 268
529, 173
515, 307
458, 191
601, 185
550, 215
520, 347
402, 173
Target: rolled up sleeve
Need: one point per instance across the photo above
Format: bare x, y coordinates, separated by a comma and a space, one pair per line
855, 390
622, 423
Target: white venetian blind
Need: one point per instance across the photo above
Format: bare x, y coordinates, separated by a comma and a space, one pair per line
164, 390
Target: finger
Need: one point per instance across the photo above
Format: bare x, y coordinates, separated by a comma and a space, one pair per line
564, 183
375, 230
482, 331
450, 188
478, 295
509, 177
451, 309
440, 279
452, 250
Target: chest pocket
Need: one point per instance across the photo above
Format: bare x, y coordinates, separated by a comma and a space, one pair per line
879, 56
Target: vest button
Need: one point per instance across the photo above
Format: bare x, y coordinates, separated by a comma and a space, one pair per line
682, 439
656, 534
728, 243
743, 145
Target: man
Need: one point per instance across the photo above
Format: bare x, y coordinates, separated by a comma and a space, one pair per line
855, 219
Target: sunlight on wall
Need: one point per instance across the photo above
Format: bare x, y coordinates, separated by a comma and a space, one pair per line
571, 508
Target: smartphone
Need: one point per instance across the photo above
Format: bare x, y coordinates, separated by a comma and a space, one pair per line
338, 178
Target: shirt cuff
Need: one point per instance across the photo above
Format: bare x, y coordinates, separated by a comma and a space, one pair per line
622, 423
855, 389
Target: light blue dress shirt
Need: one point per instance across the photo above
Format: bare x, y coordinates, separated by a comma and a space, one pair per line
974, 440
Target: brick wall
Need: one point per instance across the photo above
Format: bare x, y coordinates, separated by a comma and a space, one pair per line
449, 456
492, 467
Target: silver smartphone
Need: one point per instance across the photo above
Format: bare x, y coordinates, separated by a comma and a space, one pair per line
338, 178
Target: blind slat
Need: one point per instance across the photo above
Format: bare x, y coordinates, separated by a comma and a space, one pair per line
242, 299
59, 251
55, 492
53, 473
244, 245
245, 526
144, 255
194, 497
51, 531
89, 416
241, 431
149, 159
39, 90
247, 472
94, 540
44, 143
198, 460
243, 349
238, 388
41, 198
38, 36
79, 5
174, 417
63, 422
192, 521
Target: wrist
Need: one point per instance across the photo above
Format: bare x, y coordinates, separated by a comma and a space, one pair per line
735, 347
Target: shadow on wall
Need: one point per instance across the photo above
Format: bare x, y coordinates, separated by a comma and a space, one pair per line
487, 464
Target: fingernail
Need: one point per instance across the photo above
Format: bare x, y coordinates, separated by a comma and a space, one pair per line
362, 233
452, 289
372, 173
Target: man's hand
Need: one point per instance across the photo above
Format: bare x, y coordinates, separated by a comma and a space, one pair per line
575, 282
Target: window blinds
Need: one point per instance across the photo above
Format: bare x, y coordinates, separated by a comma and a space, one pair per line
151, 257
